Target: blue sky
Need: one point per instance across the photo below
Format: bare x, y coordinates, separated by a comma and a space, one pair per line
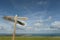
44, 16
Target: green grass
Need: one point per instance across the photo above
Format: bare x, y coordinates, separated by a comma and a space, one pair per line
29, 38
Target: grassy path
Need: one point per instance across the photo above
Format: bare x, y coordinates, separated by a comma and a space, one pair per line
29, 38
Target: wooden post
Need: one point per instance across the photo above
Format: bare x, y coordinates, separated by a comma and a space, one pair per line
14, 31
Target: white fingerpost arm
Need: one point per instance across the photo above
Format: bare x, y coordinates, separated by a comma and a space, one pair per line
23, 18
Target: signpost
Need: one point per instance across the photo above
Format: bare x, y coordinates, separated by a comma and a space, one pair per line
15, 20
14, 31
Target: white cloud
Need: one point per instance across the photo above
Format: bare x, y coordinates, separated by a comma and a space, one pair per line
38, 24
2, 27
29, 28
49, 18
42, 3
47, 29
41, 22
56, 24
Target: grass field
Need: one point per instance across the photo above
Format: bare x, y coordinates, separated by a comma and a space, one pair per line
29, 38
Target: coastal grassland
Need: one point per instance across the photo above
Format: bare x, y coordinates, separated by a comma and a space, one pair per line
29, 38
